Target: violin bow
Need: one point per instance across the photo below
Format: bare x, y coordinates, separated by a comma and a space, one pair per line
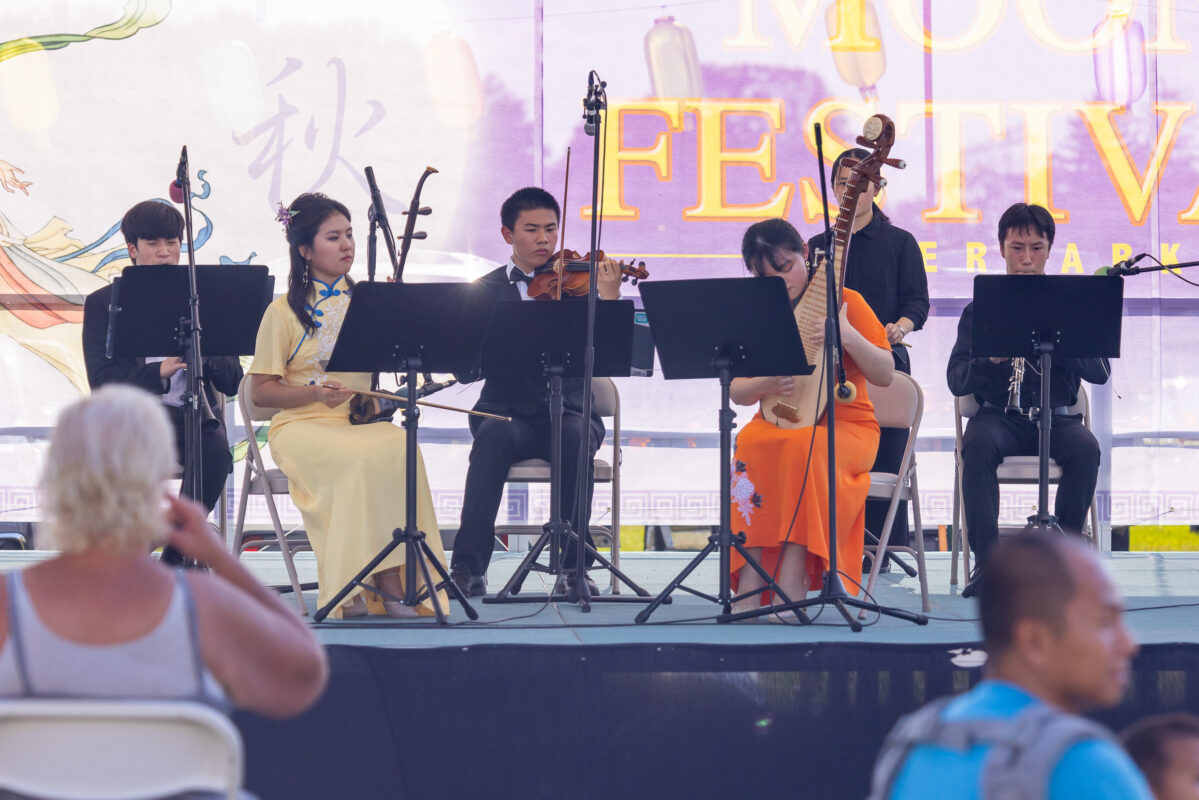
558, 266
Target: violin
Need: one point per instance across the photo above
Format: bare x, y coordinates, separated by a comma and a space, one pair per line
570, 273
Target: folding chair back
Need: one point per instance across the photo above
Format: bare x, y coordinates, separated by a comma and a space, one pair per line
101, 749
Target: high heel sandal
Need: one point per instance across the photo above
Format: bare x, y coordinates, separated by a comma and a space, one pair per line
354, 609
397, 610
746, 604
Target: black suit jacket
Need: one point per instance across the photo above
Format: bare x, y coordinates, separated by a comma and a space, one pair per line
989, 382
222, 373
525, 396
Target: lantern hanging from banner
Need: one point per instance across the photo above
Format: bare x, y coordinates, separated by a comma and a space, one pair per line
453, 80
1119, 56
30, 92
861, 67
671, 59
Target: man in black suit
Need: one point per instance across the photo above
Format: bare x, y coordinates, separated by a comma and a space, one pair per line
153, 230
529, 222
1025, 238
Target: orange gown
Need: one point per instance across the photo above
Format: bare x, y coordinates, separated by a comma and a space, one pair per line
775, 502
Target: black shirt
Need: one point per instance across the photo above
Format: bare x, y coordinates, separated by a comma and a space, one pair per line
990, 382
887, 268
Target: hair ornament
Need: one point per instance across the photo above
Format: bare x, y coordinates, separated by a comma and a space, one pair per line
285, 215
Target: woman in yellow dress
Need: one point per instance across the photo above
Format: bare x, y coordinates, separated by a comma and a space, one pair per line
346, 479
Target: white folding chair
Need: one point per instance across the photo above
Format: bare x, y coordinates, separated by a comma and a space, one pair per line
109, 749
537, 470
1013, 470
268, 482
900, 405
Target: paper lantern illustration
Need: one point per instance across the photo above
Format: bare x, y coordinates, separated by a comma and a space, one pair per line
30, 92
1119, 57
233, 87
672, 61
453, 80
859, 67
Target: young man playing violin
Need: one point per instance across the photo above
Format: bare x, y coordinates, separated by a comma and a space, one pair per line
529, 222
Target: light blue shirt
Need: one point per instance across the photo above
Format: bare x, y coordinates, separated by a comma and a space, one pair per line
1090, 770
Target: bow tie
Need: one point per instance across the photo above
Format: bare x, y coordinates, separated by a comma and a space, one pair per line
517, 274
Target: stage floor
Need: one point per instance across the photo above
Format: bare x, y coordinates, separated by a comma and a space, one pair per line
1161, 591
545, 701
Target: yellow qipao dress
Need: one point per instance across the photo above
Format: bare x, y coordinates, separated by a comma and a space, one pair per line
346, 480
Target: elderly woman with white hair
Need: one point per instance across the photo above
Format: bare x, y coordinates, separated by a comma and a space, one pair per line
104, 620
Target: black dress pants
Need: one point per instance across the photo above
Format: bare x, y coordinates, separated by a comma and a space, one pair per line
990, 436
218, 463
497, 446
214, 449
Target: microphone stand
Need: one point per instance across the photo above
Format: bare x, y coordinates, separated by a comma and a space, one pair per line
594, 104
1120, 269
189, 340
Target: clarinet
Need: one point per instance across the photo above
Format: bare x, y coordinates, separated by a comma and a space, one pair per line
1013, 390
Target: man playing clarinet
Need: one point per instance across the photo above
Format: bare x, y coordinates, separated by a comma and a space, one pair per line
997, 431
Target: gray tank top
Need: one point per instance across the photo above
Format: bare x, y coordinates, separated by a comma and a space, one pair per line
165, 663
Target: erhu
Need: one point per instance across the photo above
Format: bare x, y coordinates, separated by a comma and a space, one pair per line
372, 405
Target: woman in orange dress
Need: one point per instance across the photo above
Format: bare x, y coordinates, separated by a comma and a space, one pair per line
780, 476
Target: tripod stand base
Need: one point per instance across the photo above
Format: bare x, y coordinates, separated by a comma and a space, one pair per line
721, 539
833, 593
1045, 525
561, 529
415, 548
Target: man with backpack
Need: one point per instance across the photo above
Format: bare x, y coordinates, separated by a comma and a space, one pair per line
1056, 646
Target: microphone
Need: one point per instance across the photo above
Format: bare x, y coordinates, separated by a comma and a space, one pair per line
425, 389
176, 189
376, 199
380, 213
592, 104
1121, 267
430, 388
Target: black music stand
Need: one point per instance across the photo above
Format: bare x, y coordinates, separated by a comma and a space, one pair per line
149, 302
410, 328
725, 328
530, 339
149, 316
1039, 317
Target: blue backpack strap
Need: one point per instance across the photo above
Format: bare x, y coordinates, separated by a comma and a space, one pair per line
13, 586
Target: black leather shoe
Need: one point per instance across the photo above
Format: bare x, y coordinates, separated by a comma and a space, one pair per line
566, 585
974, 585
866, 562
470, 585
